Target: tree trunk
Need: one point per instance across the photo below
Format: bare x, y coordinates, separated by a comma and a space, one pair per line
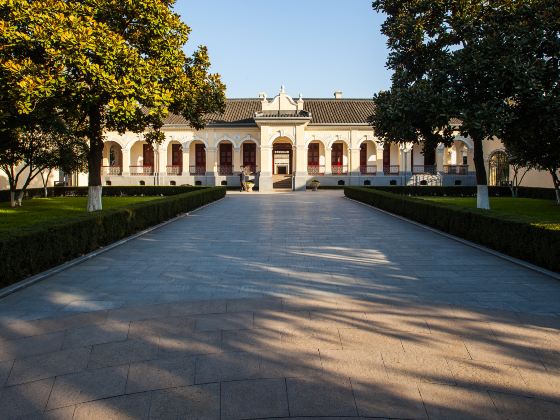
12, 198
20, 197
95, 158
556, 182
482, 201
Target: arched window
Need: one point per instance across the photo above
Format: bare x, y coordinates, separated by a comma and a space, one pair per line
498, 166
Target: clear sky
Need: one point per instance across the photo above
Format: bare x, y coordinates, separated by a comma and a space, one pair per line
313, 47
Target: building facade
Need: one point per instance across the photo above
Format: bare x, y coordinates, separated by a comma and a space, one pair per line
284, 143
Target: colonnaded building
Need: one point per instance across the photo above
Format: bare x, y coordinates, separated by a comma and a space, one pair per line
284, 143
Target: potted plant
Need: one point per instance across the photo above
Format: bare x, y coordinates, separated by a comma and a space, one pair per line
250, 185
315, 184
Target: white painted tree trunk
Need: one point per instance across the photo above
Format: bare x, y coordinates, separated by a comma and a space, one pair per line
557, 196
12, 198
94, 198
20, 198
482, 200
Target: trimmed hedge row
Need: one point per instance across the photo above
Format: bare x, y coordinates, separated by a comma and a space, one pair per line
31, 250
535, 244
108, 191
523, 192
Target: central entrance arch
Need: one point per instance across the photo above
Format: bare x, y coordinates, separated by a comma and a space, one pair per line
282, 163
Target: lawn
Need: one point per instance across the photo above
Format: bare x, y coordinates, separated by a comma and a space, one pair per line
540, 212
38, 210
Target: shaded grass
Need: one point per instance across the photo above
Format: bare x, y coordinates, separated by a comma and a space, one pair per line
544, 213
39, 210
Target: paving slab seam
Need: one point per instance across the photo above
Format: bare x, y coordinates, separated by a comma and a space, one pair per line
72, 263
498, 254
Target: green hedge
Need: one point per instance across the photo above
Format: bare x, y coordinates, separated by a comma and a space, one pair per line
538, 245
108, 191
523, 192
31, 250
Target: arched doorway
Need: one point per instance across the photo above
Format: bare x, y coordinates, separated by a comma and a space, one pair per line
498, 169
282, 164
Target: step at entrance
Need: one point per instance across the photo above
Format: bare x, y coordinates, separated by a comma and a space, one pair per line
283, 182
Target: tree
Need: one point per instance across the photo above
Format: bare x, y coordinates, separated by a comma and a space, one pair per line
533, 134
116, 65
457, 48
408, 114
34, 151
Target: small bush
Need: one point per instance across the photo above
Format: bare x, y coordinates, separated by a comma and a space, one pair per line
462, 191
538, 245
108, 191
31, 250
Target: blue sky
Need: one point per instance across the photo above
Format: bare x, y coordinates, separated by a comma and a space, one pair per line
313, 47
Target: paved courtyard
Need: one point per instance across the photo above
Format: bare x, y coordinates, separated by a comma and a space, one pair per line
287, 305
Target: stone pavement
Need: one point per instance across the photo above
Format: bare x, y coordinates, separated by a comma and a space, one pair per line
288, 305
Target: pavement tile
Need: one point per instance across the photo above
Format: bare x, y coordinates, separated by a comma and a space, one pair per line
161, 327
121, 352
253, 340
254, 399
31, 346
189, 344
21, 400
326, 340
291, 364
414, 368
126, 407
160, 374
355, 338
64, 413
397, 322
435, 345
320, 320
5, 368
515, 407
48, 365
495, 351
379, 398
214, 306
444, 402
138, 313
544, 384
228, 321
88, 385
356, 364
283, 321
489, 376
226, 367
193, 402
66, 322
309, 397
96, 334
254, 305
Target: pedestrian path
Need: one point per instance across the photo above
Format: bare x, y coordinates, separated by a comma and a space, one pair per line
289, 305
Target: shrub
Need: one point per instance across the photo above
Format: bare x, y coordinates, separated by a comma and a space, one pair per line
526, 241
455, 191
31, 250
108, 191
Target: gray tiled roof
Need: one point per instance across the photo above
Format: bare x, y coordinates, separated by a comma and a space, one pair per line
323, 111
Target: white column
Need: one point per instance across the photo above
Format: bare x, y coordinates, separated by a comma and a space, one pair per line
211, 160
162, 162
236, 159
126, 161
354, 166
186, 160
379, 158
328, 160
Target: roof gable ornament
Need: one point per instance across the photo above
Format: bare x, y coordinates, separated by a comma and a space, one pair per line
282, 102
